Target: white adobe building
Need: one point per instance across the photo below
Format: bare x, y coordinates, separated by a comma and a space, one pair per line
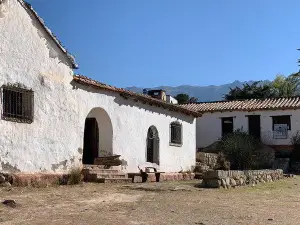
52, 120
273, 120
171, 99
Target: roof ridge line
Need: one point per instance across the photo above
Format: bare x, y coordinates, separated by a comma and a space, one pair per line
58, 43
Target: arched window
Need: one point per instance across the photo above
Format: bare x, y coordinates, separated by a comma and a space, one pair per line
176, 133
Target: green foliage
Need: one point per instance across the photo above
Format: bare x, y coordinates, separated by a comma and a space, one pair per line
263, 157
75, 176
286, 86
240, 148
222, 162
193, 100
295, 140
249, 91
184, 98
283, 153
281, 86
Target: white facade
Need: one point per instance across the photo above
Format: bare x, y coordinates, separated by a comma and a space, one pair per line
209, 126
53, 142
171, 99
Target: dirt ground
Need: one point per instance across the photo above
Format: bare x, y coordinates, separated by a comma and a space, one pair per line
154, 203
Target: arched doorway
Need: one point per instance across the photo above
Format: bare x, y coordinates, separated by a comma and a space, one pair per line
153, 145
98, 136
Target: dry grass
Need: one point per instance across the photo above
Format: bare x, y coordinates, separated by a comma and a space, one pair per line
174, 203
75, 176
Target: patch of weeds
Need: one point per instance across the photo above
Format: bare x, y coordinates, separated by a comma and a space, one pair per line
74, 176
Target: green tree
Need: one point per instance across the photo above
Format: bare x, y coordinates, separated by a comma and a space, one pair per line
193, 100
281, 86
182, 98
286, 86
249, 91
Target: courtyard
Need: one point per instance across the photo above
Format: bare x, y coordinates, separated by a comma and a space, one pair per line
153, 203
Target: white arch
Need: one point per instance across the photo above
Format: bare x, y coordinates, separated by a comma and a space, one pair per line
105, 130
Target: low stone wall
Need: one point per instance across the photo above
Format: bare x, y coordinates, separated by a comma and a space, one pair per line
209, 159
205, 162
233, 178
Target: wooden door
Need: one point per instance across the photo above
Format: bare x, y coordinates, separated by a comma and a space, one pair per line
91, 141
227, 125
254, 125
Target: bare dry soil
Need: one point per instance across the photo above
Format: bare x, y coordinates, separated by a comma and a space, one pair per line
154, 203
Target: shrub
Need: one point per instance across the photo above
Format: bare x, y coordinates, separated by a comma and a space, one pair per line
246, 152
283, 153
263, 157
74, 176
295, 140
239, 147
222, 162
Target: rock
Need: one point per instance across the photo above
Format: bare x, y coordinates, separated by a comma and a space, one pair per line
213, 183
242, 182
5, 184
10, 203
223, 182
227, 180
289, 175
232, 182
2, 179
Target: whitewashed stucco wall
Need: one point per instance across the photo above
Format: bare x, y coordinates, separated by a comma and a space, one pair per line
29, 57
209, 126
54, 141
131, 121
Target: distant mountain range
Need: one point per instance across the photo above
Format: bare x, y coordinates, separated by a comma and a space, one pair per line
203, 93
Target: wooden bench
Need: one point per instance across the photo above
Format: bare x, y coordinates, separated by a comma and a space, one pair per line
144, 174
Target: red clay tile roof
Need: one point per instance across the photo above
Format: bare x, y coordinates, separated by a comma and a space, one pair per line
245, 105
146, 99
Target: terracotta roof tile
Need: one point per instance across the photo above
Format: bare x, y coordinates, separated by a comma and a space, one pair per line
135, 96
245, 105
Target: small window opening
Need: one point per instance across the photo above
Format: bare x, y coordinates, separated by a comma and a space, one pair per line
17, 104
282, 120
176, 133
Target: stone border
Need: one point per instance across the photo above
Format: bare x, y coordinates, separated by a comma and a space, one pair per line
233, 178
32, 179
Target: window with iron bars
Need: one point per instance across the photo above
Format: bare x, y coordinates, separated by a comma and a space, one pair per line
17, 104
176, 133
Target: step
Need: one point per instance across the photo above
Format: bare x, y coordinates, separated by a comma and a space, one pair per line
114, 180
97, 171
109, 175
93, 166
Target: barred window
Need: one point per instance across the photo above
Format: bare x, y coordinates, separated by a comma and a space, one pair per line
282, 120
17, 104
176, 133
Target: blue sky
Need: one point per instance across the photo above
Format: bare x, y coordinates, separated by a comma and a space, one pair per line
174, 42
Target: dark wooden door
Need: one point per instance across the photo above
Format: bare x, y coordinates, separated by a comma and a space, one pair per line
254, 125
91, 141
153, 145
227, 125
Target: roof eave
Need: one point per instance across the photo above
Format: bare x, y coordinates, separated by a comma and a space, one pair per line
68, 55
170, 107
